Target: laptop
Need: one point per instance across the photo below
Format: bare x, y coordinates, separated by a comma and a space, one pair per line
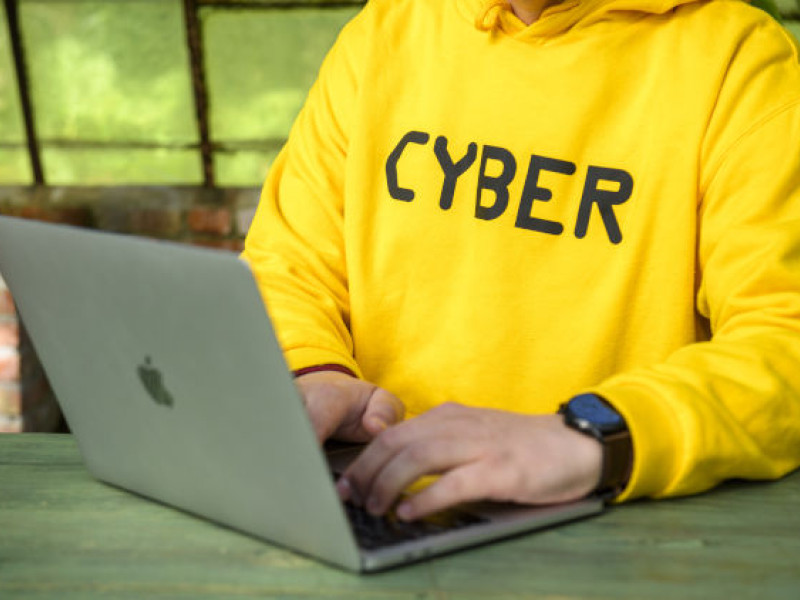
166, 366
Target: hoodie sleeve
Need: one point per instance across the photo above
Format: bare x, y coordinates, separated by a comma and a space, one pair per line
730, 407
295, 244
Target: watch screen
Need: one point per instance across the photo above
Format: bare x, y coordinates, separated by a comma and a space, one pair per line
596, 411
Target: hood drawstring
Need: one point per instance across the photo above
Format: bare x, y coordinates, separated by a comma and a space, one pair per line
489, 15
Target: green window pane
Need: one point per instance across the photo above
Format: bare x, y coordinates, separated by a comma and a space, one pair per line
786, 7
296, 2
12, 130
14, 166
109, 71
243, 168
119, 167
794, 28
260, 65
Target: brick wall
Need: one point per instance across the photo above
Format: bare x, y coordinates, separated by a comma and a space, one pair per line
10, 401
217, 218
210, 218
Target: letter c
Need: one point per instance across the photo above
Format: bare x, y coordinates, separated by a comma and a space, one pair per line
395, 191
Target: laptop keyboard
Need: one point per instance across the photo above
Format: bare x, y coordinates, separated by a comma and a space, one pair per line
378, 532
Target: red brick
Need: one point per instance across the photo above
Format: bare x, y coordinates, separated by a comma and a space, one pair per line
110, 217
219, 244
11, 425
80, 216
9, 333
9, 364
244, 218
69, 215
157, 222
210, 220
6, 302
10, 400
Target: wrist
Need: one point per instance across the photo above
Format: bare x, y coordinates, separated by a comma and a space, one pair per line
595, 418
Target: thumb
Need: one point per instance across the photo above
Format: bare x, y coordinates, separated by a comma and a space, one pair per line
383, 410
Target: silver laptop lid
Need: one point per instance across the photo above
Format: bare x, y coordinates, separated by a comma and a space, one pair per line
168, 372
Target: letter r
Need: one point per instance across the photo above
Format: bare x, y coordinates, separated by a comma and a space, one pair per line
604, 199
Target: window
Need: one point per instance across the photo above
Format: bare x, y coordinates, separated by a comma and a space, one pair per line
168, 92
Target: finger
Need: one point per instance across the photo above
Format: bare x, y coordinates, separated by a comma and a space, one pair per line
345, 491
363, 471
427, 457
383, 410
359, 474
463, 484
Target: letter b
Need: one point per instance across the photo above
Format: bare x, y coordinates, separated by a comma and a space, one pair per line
499, 184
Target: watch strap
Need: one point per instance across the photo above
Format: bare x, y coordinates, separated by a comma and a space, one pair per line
617, 464
617, 448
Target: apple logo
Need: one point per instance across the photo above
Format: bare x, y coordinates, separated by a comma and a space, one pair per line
153, 382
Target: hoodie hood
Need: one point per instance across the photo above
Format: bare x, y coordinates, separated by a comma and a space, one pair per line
568, 15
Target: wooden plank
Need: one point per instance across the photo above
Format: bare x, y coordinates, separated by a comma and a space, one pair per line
64, 535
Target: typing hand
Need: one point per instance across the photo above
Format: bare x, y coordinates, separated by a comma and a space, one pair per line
347, 408
481, 454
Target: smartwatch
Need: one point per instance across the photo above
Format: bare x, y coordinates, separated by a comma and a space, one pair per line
593, 416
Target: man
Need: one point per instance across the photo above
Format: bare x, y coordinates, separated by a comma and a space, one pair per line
495, 221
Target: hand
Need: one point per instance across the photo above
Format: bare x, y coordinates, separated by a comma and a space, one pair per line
347, 408
481, 454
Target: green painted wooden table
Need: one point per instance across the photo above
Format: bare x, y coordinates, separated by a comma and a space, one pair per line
63, 535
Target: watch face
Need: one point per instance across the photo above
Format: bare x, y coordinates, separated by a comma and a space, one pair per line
590, 408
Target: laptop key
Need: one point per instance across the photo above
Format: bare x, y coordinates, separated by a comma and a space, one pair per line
376, 532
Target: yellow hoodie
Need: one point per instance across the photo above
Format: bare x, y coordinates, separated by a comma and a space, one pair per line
608, 200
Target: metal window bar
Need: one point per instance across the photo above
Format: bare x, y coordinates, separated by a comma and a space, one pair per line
194, 40
21, 73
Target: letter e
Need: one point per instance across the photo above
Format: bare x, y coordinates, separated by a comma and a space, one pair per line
532, 192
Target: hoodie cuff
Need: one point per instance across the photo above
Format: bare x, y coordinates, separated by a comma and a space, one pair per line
322, 368
654, 434
300, 359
